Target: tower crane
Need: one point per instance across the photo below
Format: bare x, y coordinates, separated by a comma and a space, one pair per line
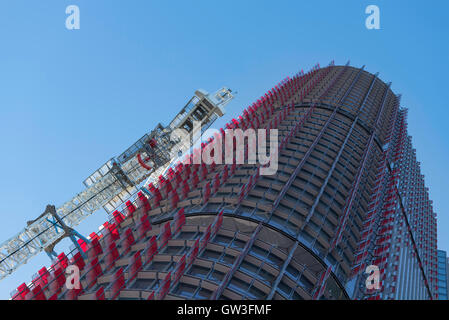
114, 182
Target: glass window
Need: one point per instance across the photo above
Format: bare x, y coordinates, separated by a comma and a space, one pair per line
227, 259
216, 275
210, 254
256, 293
185, 290
199, 271
203, 294
286, 290
239, 285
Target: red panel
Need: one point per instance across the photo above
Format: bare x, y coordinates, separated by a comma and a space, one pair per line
111, 256
118, 216
95, 249
56, 281
99, 294
165, 287
187, 170
73, 294
143, 202
174, 199
204, 171
206, 237
178, 177
225, 174
195, 180
22, 291
242, 192
179, 220
36, 294
128, 241
113, 233
43, 272
118, 284
94, 272
62, 261
151, 249
53, 297
322, 283
218, 222
180, 269
78, 261
151, 296
38, 281
193, 253
151, 187
206, 192
216, 183
185, 189
136, 265
157, 196
164, 235
130, 208
170, 173
168, 186
144, 226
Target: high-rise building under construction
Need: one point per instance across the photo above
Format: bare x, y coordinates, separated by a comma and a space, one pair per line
347, 194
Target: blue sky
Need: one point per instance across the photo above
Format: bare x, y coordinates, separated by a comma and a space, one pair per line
70, 100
